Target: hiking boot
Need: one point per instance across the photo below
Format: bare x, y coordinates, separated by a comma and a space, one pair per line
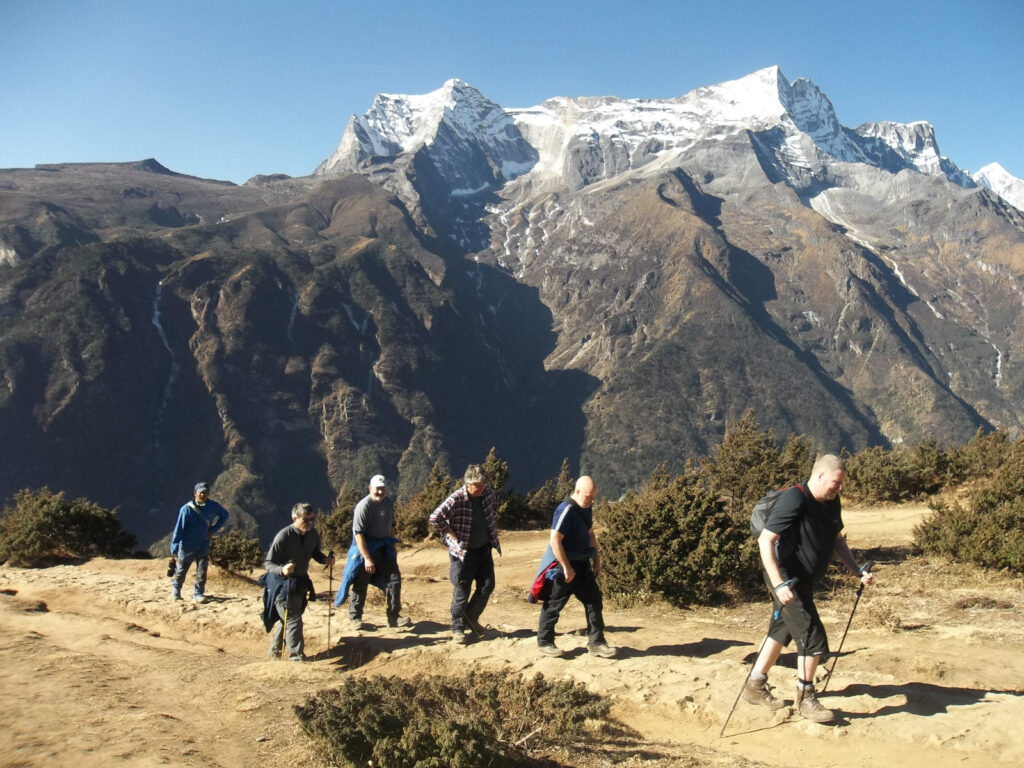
176, 595
550, 650
458, 637
474, 625
603, 650
199, 598
400, 621
808, 706
757, 692
355, 624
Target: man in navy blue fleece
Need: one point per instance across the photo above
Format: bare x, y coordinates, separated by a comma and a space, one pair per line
574, 545
197, 521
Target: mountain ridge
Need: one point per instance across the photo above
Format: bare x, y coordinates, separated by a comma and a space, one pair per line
610, 281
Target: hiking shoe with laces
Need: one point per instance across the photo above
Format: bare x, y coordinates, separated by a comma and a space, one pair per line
550, 650
809, 707
758, 692
355, 624
400, 621
603, 650
458, 637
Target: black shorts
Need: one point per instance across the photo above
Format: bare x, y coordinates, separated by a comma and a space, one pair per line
798, 621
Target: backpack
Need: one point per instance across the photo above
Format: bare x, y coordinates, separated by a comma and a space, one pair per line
765, 506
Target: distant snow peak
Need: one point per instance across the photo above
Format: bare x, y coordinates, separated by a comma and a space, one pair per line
454, 114
1003, 183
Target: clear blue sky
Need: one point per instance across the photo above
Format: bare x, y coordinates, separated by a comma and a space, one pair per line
227, 89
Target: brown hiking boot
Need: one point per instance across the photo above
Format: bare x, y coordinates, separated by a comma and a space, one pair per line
757, 692
808, 706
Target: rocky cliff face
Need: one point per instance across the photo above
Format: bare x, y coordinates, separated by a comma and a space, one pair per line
610, 281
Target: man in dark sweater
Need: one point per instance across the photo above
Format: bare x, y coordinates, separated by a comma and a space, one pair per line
796, 545
288, 560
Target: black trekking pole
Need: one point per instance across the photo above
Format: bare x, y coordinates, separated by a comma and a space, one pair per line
330, 599
866, 568
742, 687
756, 657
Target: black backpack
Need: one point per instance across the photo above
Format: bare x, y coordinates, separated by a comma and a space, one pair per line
764, 507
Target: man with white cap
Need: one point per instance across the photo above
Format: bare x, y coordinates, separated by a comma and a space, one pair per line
373, 543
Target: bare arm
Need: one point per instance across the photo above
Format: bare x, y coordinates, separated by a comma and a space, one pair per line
766, 544
843, 550
365, 552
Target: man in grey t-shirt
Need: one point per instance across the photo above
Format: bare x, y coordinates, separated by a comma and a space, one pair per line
373, 522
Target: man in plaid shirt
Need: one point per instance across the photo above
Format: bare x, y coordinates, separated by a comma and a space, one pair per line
466, 523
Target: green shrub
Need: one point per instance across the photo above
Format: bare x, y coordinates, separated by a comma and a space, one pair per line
901, 474
987, 528
674, 540
412, 517
488, 718
534, 510
747, 463
982, 456
42, 527
989, 537
235, 552
335, 527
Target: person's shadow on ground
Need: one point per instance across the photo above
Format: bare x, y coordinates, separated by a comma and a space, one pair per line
922, 699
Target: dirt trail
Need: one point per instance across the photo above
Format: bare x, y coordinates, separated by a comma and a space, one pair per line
100, 667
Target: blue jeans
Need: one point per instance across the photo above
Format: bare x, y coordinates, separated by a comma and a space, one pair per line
181, 568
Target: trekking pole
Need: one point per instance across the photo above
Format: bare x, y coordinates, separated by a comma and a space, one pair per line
756, 657
330, 599
737, 701
284, 632
828, 677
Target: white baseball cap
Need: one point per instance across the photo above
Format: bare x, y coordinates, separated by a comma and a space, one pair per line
377, 481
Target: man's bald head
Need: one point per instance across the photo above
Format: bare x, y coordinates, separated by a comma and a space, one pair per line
585, 492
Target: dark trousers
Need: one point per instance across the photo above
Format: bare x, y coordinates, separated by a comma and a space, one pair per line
478, 566
584, 586
798, 621
387, 576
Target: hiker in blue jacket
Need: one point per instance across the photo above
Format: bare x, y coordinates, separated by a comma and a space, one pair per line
573, 544
198, 520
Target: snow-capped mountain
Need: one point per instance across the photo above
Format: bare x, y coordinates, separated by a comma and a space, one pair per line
864, 248
1003, 183
462, 147
609, 280
582, 140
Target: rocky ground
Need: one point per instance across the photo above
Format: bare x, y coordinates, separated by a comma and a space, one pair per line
100, 667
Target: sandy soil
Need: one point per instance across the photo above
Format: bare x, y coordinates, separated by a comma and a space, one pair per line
100, 667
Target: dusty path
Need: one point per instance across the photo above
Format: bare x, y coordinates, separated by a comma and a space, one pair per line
99, 667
